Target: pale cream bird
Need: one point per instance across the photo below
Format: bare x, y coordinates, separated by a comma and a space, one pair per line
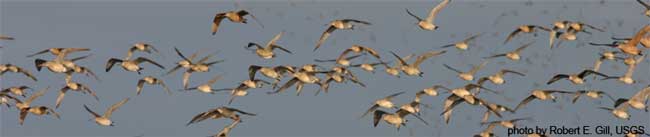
385, 102
469, 75
150, 80
207, 87
266, 51
413, 69
343, 24
464, 44
540, 95
514, 55
105, 120
429, 22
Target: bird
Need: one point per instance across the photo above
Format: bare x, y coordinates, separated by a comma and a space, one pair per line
608, 55
463, 45
275, 73
428, 23
525, 29
540, 95
226, 130
140, 46
357, 49
429, 91
580, 27
59, 64
385, 102
646, 6
620, 109
629, 47
396, 119
627, 77
338, 77
266, 51
184, 63
150, 80
83, 70
454, 100
130, 65
105, 120
220, 112
241, 90
514, 55
560, 25
233, 16
74, 86
17, 90
469, 75
577, 79
15, 69
307, 75
413, 69
342, 24
5, 98
504, 123
368, 67
200, 66
498, 77
26, 108
595, 94
463, 92
637, 100
206, 87
59, 52
493, 108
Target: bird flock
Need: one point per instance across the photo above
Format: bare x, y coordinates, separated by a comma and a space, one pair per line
342, 70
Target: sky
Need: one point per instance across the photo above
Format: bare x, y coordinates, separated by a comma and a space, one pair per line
109, 29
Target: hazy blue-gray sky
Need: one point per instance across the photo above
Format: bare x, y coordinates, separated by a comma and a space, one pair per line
110, 28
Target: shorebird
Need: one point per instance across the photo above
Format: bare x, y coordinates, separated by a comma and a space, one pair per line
608, 55
150, 80
131, 65
385, 102
540, 95
620, 109
266, 52
454, 100
368, 67
15, 69
343, 24
463, 92
140, 46
629, 47
429, 91
59, 64
59, 52
396, 119
206, 87
463, 45
184, 63
357, 49
26, 108
341, 60
560, 25
525, 29
241, 90
595, 94
638, 99
83, 70
74, 86
306, 75
5, 98
428, 23
105, 120
275, 73
577, 79
17, 90
514, 55
647, 7
580, 27
200, 66
226, 130
233, 16
627, 77
338, 77
498, 77
220, 112
414, 68
493, 108
469, 75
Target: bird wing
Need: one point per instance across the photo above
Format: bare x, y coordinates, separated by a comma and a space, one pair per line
38, 53
252, 70
476, 68
436, 10
91, 111
275, 38
143, 59
139, 87
637, 38
589, 72
273, 46
240, 111
504, 71
372, 52
427, 55
33, 97
524, 102
415, 16
216, 21
642, 95
512, 35
378, 115
324, 36
494, 56
647, 7
61, 96
285, 86
112, 62
401, 61
523, 47
27, 73
451, 68
186, 79
556, 78
114, 107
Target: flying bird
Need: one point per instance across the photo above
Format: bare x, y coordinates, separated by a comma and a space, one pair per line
207, 87
514, 55
150, 80
15, 69
266, 51
525, 29
540, 95
343, 24
233, 16
413, 69
140, 46
577, 79
220, 112
130, 65
463, 45
428, 23
105, 120
469, 75
385, 102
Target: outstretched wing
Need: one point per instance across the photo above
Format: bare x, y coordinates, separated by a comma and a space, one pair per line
115, 106
436, 10
216, 21
324, 36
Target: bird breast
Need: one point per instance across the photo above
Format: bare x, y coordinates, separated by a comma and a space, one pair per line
409, 108
385, 103
513, 56
184, 64
460, 92
69, 64
205, 88
426, 25
430, 92
496, 80
130, 66
626, 80
232, 16
269, 73
410, 70
238, 92
541, 95
466, 76
637, 104
200, 68
620, 114
392, 71
507, 124
367, 67
72, 85
594, 95
559, 24
57, 67
17, 91
393, 120
576, 80
103, 121
462, 45
250, 84
264, 53
343, 62
37, 111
